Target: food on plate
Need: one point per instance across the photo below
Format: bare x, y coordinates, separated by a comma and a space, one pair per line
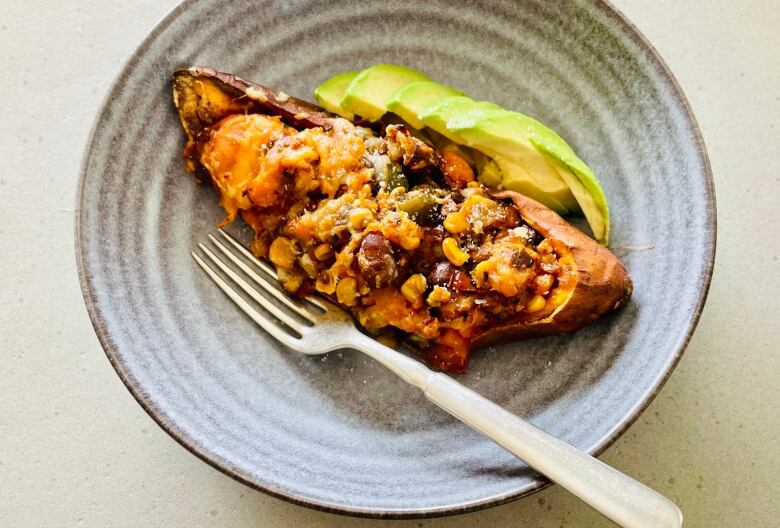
390, 226
367, 93
512, 150
409, 100
329, 93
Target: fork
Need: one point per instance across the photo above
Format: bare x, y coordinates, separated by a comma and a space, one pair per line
317, 326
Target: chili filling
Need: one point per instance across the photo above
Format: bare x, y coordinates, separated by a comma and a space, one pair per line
399, 234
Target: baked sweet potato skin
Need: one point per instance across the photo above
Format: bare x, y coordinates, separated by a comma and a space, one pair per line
602, 283
203, 96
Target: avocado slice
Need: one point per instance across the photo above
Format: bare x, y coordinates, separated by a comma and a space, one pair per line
367, 94
549, 190
540, 151
488, 170
330, 92
437, 114
581, 180
409, 100
523, 168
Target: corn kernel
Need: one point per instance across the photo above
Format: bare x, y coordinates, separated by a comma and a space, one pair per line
558, 296
455, 223
536, 303
438, 296
346, 291
359, 218
453, 252
323, 252
409, 242
480, 273
413, 289
281, 252
325, 283
290, 280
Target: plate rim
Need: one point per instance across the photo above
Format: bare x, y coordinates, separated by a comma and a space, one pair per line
224, 466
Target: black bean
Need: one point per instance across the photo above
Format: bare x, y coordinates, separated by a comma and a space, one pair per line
521, 259
377, 260
441, 274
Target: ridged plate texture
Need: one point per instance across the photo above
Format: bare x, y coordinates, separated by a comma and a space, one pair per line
339, 432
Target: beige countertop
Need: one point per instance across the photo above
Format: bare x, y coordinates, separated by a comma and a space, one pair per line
76, 449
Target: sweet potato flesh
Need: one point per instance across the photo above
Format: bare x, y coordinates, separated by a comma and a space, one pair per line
371, 222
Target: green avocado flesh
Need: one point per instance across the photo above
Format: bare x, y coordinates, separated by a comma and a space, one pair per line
545, 156
330, 92
437, 114
408, 101
367, 94
583, 181
508, 149
522, 167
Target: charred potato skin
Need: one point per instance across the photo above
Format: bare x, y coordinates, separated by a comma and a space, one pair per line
602, 285
203, 96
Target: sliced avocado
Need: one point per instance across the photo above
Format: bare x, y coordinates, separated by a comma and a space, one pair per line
367, 94
330, 92
488, 171
437, 114
554, 193
436, 140
499, 171
409, 100
525, 169
580, 178
542, 153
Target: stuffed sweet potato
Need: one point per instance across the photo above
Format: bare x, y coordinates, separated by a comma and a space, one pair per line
378, 220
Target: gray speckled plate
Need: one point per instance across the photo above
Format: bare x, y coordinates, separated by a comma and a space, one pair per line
339, 432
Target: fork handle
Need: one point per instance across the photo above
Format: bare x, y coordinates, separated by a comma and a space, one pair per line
617, 496
620, 498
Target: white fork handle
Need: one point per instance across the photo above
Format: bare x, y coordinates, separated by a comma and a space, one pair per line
622, 499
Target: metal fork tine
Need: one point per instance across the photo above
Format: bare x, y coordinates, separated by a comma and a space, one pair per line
282, 336
244, 251
263, 266
265, 303
316, 301
262, 282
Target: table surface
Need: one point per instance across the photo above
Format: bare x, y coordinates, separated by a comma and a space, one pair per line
76, 449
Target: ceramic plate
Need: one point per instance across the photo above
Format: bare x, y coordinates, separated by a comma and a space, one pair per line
339, 432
